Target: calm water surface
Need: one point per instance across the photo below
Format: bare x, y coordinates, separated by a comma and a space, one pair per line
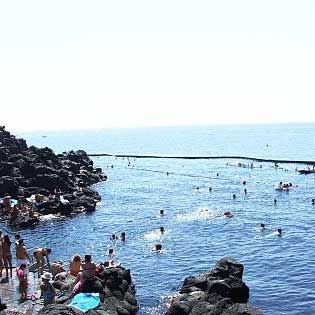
278, 270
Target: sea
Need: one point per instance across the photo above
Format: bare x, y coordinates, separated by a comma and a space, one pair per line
279, 270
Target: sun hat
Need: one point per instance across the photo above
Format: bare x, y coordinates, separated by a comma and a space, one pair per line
47, 276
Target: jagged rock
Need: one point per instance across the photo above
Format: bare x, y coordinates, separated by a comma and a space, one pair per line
219, 291
242, 309
40, 171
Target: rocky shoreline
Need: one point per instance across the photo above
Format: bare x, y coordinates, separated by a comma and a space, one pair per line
43, 182
219, 291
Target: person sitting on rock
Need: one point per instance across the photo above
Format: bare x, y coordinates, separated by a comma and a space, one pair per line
7, 201
88, 273
75, 265
57, 267
47, 289
39, 255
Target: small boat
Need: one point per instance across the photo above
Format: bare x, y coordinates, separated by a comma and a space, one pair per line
305, 172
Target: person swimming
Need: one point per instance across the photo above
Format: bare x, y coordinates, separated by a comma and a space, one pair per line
123, 236
279, 231
275, 201
228, 214
161, 212
113, 237
245, 191
262, 226
162, 230
234, 196
158, 247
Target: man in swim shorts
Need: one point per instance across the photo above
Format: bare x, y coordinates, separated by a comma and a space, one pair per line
22, 256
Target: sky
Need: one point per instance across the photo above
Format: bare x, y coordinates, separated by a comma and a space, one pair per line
75, 64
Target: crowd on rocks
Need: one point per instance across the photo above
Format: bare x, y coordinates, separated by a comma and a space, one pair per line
60, 284
35, 181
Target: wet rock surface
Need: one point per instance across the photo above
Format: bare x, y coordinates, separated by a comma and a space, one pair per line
219, 291
117, 293
27, 171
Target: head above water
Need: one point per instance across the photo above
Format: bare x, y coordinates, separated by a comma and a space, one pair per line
158, 246
162, 230
262, 225
162, 212
279, 231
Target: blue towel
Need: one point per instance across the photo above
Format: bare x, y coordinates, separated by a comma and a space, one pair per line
84, 302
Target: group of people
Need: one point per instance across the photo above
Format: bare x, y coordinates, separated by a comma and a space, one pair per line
13, 207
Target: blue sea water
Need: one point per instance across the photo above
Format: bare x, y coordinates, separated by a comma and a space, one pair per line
278, 270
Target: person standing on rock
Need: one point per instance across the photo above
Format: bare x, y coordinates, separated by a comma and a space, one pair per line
23, 283
22, 256
1, 254
7, 256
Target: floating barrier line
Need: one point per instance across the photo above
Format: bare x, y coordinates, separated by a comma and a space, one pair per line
174, 173
204, 158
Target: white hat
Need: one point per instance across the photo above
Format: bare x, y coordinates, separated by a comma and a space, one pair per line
47, 276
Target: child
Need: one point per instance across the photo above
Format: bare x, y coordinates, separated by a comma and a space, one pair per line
22, 275
48, 291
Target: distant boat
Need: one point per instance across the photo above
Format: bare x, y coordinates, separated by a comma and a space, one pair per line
305, 172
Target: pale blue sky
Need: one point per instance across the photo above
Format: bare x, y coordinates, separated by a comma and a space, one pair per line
94, 64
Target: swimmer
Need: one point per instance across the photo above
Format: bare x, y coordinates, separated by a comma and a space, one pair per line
167, 173
158, 247
162, 230
111, 252
262, 226
234, 196
161, 212
313, 201
210, 189
275, 201
279, 232
113, 237
123, 236
228, 214
245, 191
244, 182
217, 174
